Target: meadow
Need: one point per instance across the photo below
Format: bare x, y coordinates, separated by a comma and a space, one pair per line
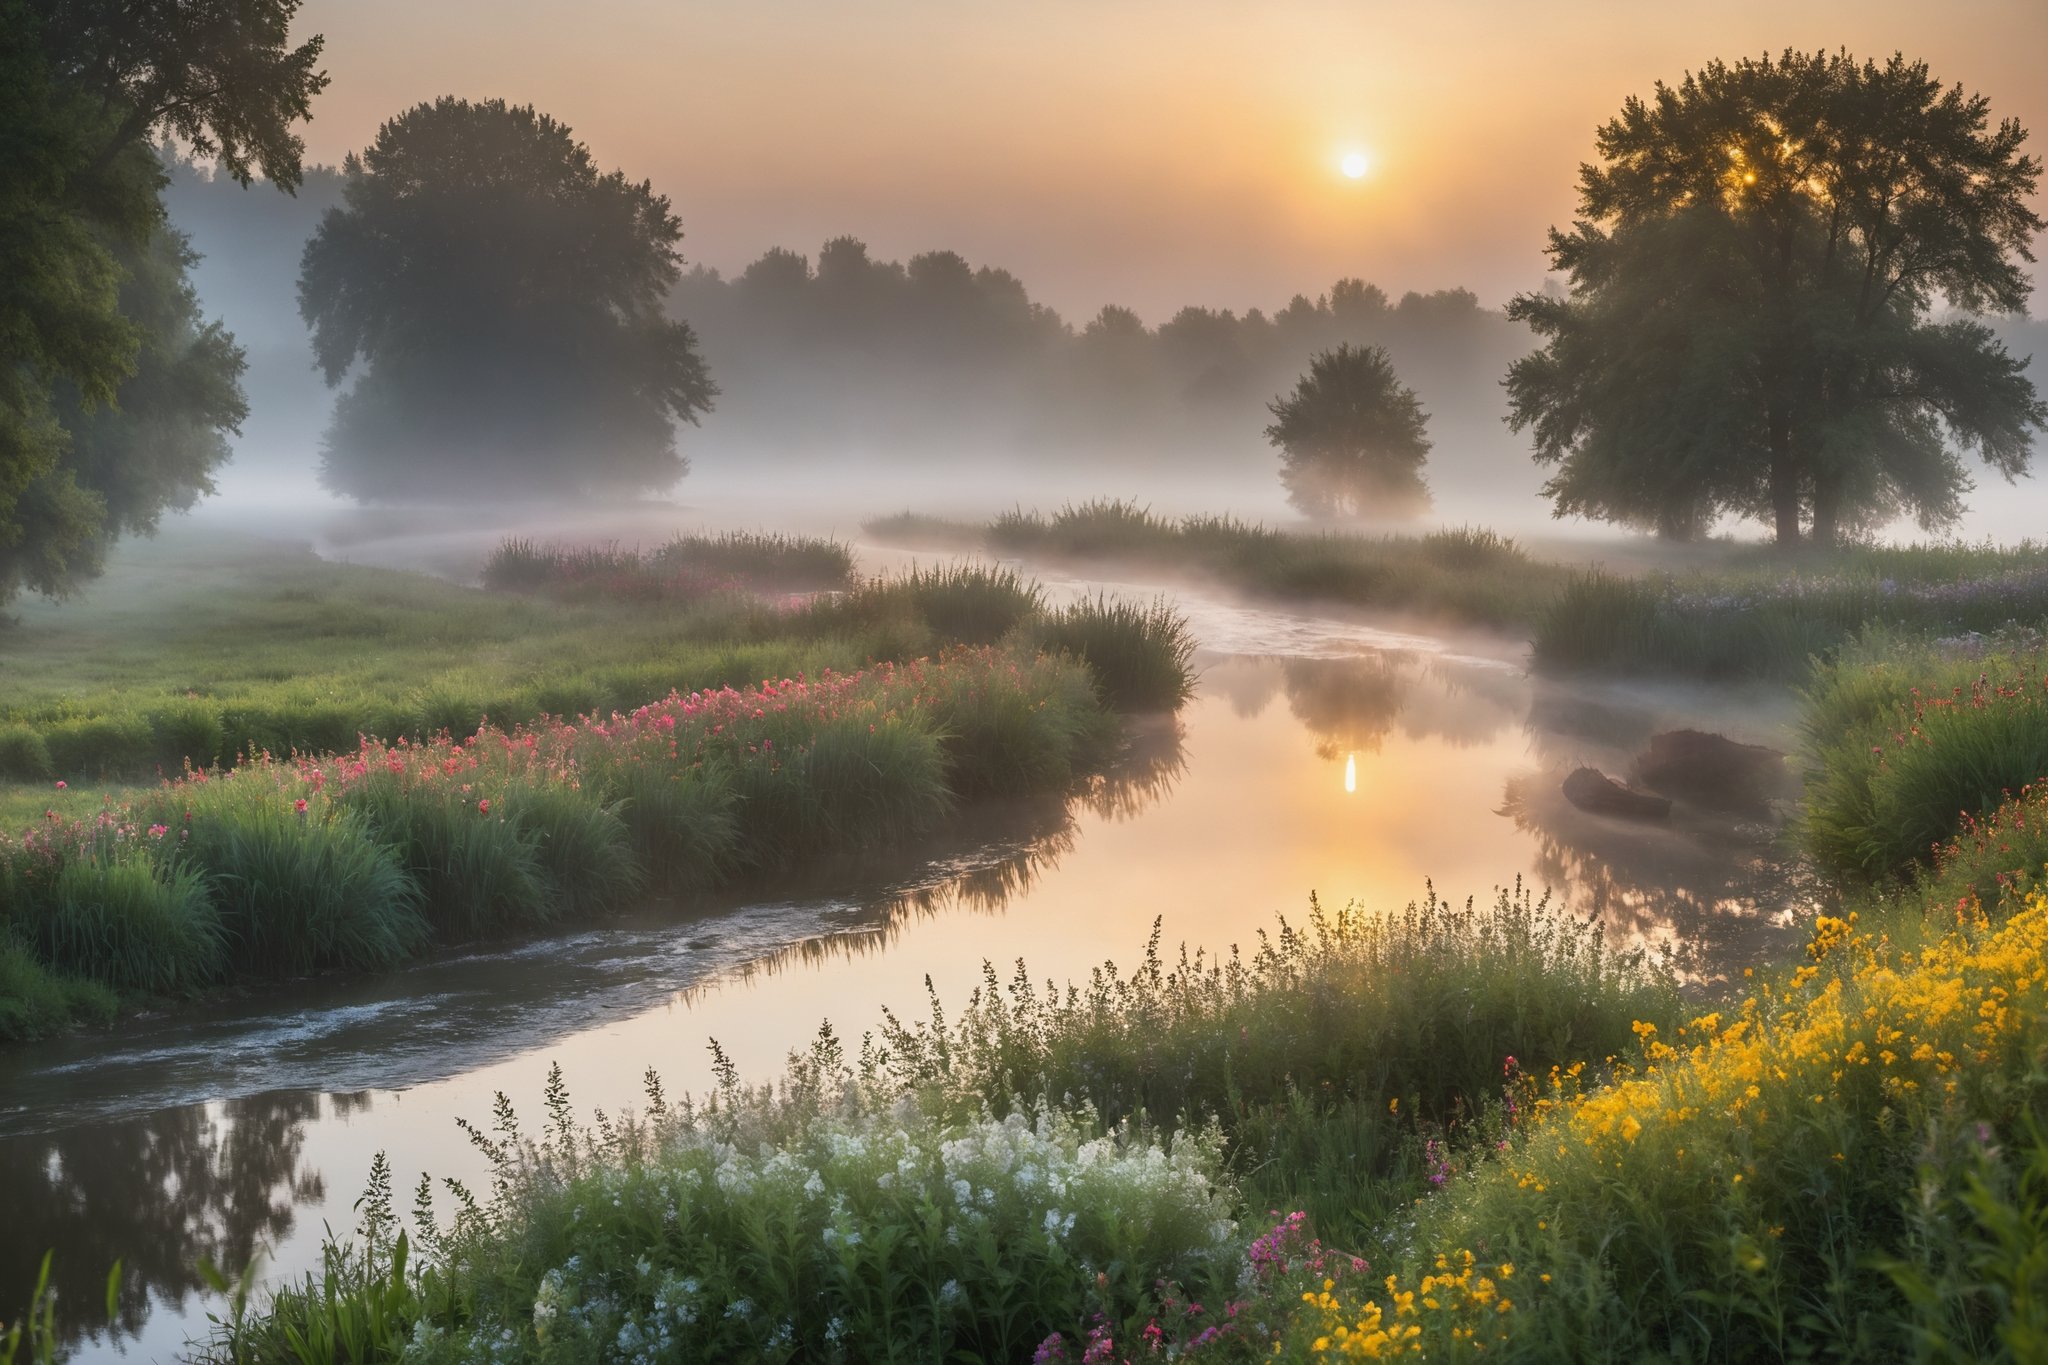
356, 855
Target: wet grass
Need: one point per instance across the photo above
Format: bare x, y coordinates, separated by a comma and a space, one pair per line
1141, 656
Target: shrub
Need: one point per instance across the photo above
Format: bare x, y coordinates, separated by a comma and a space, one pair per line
24, 757
97, 746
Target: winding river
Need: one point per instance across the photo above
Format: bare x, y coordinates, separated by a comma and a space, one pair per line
1318, 755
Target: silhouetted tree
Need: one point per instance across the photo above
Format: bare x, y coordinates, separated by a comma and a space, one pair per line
1748, 326
503, 300
1352, 439
113, 394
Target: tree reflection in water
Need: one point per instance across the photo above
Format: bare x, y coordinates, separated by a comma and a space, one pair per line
1352, 704
1002, 851
161, 1193
1722, 892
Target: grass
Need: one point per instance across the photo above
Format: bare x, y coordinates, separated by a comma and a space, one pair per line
1905, 741
1763, 617
361, 859
684, 569
1141, 656
1467, 576
179, 659
1047, 1171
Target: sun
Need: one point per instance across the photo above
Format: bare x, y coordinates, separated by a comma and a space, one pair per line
1354, 165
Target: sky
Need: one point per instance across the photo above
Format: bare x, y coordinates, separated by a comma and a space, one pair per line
1141, 152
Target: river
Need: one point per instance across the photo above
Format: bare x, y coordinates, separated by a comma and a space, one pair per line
1318, 756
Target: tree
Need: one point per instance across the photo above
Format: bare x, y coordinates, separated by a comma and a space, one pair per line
503, 300
1749, 327
100, 334
1352, 438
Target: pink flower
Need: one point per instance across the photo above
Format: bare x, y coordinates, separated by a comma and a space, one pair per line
62, 785
300, 805
484, 806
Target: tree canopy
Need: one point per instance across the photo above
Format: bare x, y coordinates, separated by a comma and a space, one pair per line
1751, 325
499, 301
1352, 438
114, 393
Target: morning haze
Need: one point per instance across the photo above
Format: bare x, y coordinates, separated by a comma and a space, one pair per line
1041, 683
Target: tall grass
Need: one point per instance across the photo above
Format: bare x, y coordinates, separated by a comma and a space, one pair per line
1141, 656
1297, 1049
1905, 742
357, 860
782, 563
1469, 576
1768, 621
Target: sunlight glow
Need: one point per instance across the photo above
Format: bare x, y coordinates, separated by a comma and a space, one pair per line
1351, 772
1354, 165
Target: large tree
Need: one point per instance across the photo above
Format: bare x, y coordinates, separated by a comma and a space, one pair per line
1751, 326
113, 393
498, 300
1352, 437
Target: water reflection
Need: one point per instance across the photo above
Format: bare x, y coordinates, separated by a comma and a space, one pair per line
1720, 892
160, 1193
991, 870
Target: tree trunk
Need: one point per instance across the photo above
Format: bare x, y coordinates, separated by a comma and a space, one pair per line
1784, 481
1827, 512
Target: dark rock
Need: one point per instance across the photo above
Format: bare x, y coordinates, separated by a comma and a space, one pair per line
1592, 790
1711, 769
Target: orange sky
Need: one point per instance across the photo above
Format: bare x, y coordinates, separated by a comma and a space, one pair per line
1132, 151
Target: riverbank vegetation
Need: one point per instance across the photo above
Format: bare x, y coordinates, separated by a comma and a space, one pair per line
1468, 576
191, 655
262, 860
1371, 1135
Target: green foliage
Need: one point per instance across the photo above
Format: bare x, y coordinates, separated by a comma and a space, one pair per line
117, 917
1752, 270
1907, 746
1297, 1050
296, 891
35, 1002
1769, 618
502, 299
115, 395
1352, 438
1467, 576
1139, 656
783, 563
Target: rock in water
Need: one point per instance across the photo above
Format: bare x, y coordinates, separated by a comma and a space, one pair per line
1711, 769
1592, 790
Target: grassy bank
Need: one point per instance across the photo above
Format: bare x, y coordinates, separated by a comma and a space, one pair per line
348, 821
1762, 616
201, 655
1466, 577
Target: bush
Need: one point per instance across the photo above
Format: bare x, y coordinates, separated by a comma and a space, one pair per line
1140, 656
24, 757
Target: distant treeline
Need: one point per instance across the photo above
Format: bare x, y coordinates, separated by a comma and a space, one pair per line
936, 359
